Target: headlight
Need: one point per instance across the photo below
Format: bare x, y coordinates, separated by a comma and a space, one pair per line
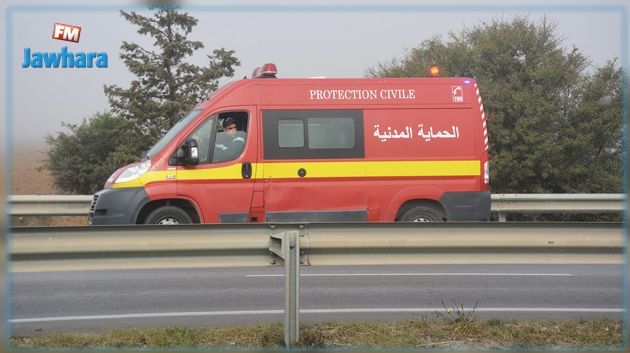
134, 172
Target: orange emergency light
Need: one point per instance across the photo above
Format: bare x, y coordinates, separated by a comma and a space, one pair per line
434, 71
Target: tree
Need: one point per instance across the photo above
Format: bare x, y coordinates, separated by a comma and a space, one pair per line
592, 145
81, 159
165, 88
554, 123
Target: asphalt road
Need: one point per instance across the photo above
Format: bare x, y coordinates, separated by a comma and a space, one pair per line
95, 301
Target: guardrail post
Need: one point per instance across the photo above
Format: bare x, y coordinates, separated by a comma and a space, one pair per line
292, 288
289, 250
502, 217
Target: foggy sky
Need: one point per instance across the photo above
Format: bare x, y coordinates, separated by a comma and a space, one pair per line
314, 42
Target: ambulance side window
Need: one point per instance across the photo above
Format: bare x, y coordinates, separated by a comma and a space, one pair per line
290, 133
330, 133
313, 134
231, 136
222, 137
204, 136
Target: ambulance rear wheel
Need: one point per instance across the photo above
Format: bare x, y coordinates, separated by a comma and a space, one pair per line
422, 214
168, 215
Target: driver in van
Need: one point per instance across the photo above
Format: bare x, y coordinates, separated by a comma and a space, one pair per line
230, 142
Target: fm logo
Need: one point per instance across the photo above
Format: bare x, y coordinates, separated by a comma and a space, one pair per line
68, 33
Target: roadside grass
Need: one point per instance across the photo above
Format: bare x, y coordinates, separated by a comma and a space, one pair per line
420, 332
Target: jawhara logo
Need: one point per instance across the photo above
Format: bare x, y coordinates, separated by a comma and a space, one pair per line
64, 59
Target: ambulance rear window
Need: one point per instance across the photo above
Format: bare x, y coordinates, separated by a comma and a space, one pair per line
330, 133
313, 134
290, 133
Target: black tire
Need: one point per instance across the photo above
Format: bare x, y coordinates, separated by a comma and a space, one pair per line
168, 215
422, 214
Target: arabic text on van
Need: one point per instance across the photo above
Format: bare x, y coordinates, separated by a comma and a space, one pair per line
407, 133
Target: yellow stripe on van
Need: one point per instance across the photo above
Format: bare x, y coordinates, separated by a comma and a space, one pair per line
318, 170
372, 169
222, 173
423, 168
315, 169
230, 172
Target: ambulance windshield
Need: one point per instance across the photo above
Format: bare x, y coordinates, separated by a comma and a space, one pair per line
183, 122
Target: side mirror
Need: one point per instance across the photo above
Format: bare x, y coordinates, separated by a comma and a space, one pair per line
188, 152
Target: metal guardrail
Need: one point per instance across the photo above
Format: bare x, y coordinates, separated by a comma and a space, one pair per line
151, 246
79, 205
50, 205
556, 203
217, 245
135, 247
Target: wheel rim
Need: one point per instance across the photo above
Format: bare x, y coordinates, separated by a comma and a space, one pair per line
422, 219
166, 221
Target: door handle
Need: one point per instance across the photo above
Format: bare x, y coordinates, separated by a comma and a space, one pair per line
246, 170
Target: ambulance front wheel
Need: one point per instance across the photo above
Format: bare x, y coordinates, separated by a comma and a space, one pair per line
168, 215
422, 214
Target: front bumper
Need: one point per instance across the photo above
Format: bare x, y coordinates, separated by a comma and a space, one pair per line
467, 206
117, 206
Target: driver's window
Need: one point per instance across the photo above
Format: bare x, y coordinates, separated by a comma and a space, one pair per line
204, 135
230, 137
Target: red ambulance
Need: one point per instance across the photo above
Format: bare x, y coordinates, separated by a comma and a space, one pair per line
277, 150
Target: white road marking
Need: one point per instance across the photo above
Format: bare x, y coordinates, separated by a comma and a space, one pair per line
148, 315
316, 311
419, 274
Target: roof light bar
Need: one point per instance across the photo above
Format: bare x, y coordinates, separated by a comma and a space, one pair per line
268, 70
